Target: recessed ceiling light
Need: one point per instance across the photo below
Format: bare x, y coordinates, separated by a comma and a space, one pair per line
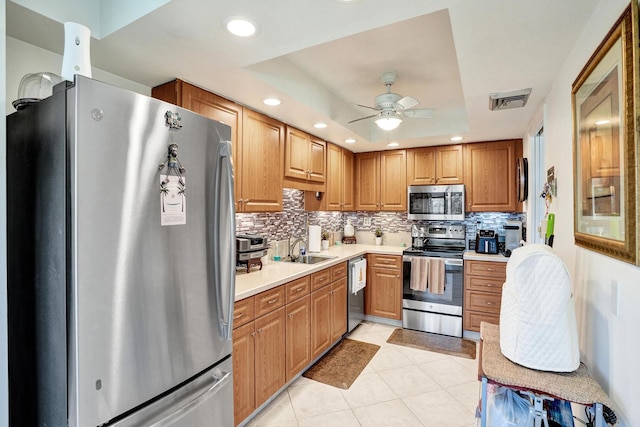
350, 141
241, 27
319, 125
456, 138
392, 144
271, 101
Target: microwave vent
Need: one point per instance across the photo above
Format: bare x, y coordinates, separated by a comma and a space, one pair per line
508, 100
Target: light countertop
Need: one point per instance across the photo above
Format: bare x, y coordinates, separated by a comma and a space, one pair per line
473, 256
275, 273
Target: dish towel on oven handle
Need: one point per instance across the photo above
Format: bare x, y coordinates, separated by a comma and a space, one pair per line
358, 275
436, 276
419, 274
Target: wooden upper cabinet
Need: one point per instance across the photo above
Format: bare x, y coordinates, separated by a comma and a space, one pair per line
367, 180
435, 165
212, 106
339, 193
393, 180
381, 181
449, 164
305, 156
490, 176
262, 154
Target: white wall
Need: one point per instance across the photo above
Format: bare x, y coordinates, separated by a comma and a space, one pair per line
24, 58
609, 343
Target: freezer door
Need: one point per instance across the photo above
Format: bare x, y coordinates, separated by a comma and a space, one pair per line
204, 402
150, 304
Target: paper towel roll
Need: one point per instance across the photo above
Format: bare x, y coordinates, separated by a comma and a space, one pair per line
314, 238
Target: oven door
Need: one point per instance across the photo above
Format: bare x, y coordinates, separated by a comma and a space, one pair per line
449, 302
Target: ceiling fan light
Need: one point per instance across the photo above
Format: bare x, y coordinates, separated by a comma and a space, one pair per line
388, 121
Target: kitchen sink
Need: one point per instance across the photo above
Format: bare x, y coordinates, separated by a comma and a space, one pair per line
312, 259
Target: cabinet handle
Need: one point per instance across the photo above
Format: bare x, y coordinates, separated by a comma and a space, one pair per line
490, 269
299, 289
253, 334
259, 331
290, 315
489, 303
272, 301
397, 276
322, 279
238, 315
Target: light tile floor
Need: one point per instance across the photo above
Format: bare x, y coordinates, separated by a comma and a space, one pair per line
401, 386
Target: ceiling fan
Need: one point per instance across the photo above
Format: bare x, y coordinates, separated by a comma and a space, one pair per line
392, 107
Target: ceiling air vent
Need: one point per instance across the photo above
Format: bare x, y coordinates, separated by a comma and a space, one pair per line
506, 100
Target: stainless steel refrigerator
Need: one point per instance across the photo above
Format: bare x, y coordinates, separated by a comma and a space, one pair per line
121, 262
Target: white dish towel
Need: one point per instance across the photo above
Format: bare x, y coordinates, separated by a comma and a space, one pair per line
358, 275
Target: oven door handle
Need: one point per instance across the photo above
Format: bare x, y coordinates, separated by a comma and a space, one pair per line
447, 261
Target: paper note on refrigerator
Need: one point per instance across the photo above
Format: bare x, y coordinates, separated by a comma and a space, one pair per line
173, 203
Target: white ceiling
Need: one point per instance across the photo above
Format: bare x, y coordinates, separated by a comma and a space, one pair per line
322, 57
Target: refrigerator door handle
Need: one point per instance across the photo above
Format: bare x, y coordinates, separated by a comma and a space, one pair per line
218, 383
224, 235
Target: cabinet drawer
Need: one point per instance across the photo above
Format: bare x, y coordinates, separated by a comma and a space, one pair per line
338, 271
243, 312
389, 261
270, 300
298, 288
482, 301
320, 278
484, 284
472, 320
497, 270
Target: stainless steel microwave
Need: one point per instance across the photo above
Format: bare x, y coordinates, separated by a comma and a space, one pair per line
436, 202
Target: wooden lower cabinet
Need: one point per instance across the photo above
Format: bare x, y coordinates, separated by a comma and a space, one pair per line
383, 296
338, 309
283, 339
483, 282
298, 336
244, 397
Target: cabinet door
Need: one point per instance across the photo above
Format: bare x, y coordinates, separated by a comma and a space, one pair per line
385, 289
296, 154
270, 347
393, 180
338, 309
317, 161
209, 105
335, 174
490, 176
367, 181
320, 320
244, 400
347, 181
421, 166
449, 164
298, 338
262, 159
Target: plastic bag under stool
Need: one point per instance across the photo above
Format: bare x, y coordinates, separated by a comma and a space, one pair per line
537, 316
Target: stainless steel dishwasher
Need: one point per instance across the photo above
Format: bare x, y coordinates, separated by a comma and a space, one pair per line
357, 284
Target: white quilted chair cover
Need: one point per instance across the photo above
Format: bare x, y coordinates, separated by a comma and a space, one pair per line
537, 316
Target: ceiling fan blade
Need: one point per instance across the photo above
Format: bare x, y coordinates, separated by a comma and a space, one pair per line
419, 113
408, 102
366, 106
364, 118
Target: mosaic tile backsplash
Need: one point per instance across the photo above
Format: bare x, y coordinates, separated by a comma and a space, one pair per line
293, 220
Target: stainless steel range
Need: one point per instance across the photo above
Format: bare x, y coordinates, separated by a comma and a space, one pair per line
433, 279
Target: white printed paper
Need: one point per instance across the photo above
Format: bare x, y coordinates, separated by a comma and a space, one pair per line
173, 201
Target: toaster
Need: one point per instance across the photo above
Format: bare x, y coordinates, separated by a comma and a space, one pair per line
250, 242
486, 242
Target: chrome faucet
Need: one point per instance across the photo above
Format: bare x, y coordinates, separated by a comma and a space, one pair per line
292, 246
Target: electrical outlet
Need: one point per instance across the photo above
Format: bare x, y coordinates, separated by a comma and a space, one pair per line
367, 222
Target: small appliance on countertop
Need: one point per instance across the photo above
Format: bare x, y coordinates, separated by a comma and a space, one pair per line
249, 249
486, 242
